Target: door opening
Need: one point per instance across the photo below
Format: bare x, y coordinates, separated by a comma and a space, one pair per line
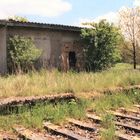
72, 60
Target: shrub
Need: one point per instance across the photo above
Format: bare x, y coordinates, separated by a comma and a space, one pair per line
101, 45
22, 53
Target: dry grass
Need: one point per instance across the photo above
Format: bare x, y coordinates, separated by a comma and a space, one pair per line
46, 82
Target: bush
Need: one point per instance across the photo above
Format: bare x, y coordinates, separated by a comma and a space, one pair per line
22, 54
101, 45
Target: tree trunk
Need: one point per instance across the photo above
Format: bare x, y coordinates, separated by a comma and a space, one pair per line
134, 56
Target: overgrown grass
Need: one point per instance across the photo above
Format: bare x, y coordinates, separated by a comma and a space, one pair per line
55, 113
114, 101
104, 104
108, 132
51, 82
33, 117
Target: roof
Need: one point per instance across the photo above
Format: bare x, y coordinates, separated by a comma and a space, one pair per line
13, 23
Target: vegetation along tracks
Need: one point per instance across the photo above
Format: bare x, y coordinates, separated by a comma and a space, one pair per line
91, 128
77, 119
20, 101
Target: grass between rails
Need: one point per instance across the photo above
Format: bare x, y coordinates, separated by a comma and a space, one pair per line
104, 104
114, 101
52, 82
108, 132
58, 113
45, 82
111, 102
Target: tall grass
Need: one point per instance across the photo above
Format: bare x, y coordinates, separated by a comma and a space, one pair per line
55, 113
114, 101
33, 117
51, 82
104, 104
108, 132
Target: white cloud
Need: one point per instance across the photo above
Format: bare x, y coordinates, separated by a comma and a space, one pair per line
136, 3
49, 8
111, 17
83, 20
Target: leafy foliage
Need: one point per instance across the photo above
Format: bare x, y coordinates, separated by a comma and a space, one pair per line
22, 53
101, 41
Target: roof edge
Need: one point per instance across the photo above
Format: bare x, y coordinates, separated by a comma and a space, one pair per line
13, 23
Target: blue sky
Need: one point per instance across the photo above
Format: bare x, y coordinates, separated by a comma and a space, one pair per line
84, 9
70, 12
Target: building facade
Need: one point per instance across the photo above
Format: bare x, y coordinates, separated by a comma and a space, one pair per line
60, 45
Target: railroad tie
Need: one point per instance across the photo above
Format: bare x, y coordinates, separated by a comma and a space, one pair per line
118, 134
125, 116
30, 135
62, 131
83, 125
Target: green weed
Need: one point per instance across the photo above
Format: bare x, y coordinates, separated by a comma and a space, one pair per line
52, 82
114, 101
108, 132
55, 113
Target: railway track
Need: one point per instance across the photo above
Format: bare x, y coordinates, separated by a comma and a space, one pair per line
14, 102
127, 124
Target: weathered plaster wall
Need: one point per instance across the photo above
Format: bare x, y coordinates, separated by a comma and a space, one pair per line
58, 39
41, 39
3, 60
50, 42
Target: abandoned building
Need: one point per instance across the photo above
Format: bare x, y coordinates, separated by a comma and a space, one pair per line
60, 44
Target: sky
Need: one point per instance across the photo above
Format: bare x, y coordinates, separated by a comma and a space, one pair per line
67, 12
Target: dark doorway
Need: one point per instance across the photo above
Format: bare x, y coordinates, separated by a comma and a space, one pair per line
72, 60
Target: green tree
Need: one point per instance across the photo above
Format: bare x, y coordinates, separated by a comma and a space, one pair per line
22, 54
101, 42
